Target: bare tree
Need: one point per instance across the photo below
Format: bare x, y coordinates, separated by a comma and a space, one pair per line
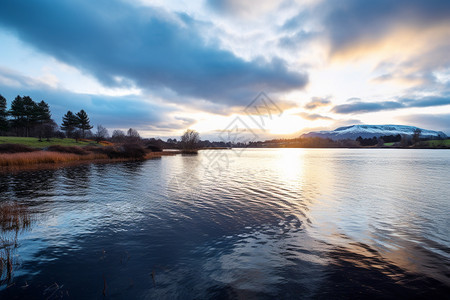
49, 129
133, 136
190, 140
101, 134
118, 136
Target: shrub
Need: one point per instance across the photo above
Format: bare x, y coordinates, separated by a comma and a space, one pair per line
153, 148
67, 149
135, 151
15, 148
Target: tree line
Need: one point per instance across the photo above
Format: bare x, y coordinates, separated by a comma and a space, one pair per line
27, 118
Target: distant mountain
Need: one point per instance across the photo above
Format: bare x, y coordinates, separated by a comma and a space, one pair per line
369, 131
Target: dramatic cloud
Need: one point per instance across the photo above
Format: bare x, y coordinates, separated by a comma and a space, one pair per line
317, 102
410, 37
351, 22
113, 112
122, 44
363, 107
165, 66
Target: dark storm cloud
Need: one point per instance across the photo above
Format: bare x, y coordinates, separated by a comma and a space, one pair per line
122, 44
106, 110
353, 21
364, 107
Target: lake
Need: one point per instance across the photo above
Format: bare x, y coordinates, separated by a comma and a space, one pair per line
241, 223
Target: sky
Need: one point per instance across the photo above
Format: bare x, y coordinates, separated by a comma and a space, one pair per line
164, 66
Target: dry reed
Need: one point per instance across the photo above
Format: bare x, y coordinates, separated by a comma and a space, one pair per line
159, 154
14, 218
44, 157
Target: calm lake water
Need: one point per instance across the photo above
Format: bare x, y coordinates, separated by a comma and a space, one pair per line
261, 223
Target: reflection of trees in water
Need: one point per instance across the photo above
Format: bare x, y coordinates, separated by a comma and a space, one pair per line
77, 177
14, 219
133, 167
27, 184
5, 180
129, 167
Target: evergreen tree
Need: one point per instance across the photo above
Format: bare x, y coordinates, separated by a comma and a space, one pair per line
83, 122
43, 118
17, 112
43, 112
3, 114
69, 123
30, 114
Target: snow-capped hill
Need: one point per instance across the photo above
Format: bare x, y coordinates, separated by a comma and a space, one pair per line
369, 131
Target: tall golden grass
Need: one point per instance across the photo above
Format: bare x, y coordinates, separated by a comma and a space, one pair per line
106, 143
159, 154
45, 157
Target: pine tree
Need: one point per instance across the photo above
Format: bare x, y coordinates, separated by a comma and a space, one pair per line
17, 112
83, 122
69, 123
43, 119
43, 112
3, 114
30, 113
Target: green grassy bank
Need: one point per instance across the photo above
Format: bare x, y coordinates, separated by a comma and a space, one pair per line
35, 143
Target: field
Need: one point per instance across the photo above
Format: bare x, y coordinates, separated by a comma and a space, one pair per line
439, 143
35, 143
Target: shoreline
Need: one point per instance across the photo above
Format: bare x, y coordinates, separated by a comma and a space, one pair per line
9, 163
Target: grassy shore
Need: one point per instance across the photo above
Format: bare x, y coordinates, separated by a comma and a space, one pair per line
35, 143
44, 157
438, 143
23, 153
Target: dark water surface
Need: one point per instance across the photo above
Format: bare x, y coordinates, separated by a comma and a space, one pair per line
270, 223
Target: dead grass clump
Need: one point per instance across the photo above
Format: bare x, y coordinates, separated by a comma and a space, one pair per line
106, 143
15, 148
14, 218
44, 157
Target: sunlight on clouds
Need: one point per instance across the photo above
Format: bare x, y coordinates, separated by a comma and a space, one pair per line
383, 60
401, 42
283, 126
405, 48
287, 124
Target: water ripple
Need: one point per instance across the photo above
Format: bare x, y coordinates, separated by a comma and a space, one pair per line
274, 223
